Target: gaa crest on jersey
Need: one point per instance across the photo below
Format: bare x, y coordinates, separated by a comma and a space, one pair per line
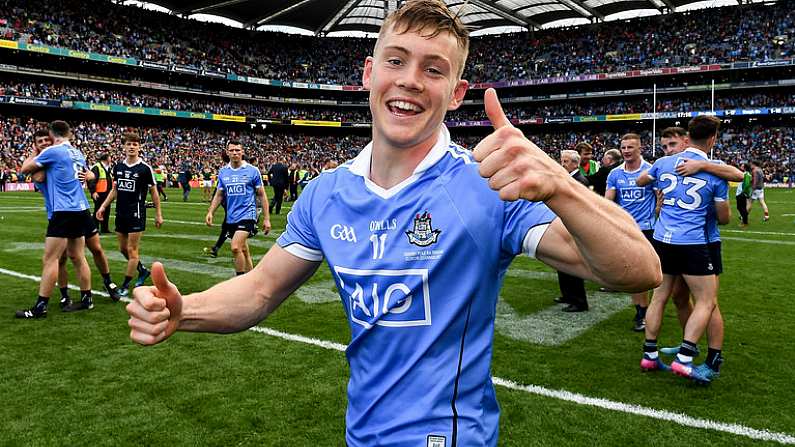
423, 233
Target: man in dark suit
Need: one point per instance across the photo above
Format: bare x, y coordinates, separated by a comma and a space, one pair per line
100, 188
279, 178
572, 289
598, 181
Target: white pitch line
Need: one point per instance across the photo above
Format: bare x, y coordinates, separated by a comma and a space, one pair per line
568, 396
769, 233
758, 241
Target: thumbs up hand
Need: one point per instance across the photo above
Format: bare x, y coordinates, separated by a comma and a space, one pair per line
514, 166
155, 311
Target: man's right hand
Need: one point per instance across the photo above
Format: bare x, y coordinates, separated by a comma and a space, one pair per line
208, 219
101, 213
95, 195
155, 311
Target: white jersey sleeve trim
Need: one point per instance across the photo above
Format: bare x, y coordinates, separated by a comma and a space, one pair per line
305, 253
532, 239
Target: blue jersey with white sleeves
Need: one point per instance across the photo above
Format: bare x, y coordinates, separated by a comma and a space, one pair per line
638, 201
61, 164
687, 201
419, 267
240, 191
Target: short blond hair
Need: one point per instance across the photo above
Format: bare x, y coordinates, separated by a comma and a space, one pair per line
428, 18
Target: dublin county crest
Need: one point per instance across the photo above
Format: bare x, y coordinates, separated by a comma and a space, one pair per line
423, 234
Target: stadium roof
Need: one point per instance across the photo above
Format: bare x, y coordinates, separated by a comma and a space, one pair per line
326, 16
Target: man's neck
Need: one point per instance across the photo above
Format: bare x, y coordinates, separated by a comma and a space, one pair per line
700, 147
236, 164
389, 165
132, 160
56, 141
632, 165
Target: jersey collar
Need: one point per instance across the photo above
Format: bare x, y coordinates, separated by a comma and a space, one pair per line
361, 165
243, 164
640, 168
134, 164
696, 151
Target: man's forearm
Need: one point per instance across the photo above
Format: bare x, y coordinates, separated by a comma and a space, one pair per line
215, 203
610, 243
243, 301
108, 200
726, 172
263, 200
231, 306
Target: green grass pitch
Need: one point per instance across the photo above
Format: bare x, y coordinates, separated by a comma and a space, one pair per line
77, 379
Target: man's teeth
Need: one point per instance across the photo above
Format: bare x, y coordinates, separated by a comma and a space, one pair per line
403, 105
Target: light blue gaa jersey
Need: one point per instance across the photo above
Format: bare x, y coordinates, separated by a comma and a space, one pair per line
419, 267
713, 233
638, 201
62, 163
240, 191
687, 201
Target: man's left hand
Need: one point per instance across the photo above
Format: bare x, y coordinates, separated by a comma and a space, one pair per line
689, 167
513, 165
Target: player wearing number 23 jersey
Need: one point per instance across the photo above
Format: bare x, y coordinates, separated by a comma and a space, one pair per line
687, 201
421, 317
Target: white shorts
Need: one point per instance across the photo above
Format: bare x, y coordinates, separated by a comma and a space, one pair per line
758, 194
207, 183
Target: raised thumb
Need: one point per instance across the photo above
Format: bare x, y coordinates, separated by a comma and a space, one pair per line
494, 109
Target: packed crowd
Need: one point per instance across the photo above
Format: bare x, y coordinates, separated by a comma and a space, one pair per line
195, 148
737, 33
183, 148
191, 103
200, 103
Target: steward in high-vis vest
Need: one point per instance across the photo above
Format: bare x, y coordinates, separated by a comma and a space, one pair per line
100, 188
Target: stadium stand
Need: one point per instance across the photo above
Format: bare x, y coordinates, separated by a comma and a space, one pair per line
731, 34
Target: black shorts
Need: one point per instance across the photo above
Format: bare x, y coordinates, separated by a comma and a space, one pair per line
249, 226
717, 258
649, 235
129, 224
69, 224
90, 229
692, 260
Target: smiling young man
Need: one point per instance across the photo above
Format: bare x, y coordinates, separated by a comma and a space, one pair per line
418, 244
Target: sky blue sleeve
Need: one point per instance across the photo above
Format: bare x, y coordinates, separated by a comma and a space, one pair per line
46, 158
257, 178
300, 229
519, 218
220, 185
721, 189
654, 170
611, 180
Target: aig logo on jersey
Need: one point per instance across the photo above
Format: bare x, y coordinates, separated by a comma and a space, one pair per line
391, 298
124, 184
236, 189
632, 194
342, 233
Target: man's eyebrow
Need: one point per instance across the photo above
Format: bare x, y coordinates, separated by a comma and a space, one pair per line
406, 51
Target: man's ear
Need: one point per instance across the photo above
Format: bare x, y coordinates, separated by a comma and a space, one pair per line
459, 92
368, 72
